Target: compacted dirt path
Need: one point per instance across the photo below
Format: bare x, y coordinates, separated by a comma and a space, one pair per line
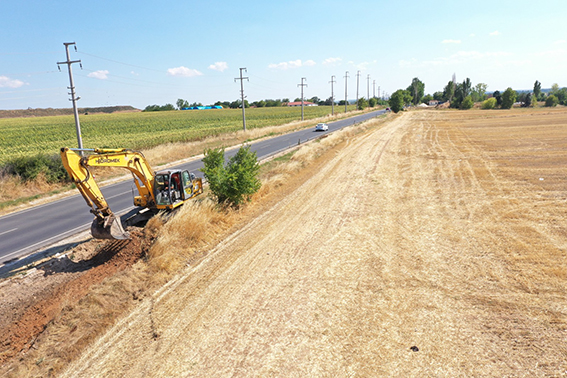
410, 253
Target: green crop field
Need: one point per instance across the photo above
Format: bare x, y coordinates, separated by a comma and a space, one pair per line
46, 135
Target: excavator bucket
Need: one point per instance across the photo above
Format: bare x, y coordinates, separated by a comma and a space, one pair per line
109, 228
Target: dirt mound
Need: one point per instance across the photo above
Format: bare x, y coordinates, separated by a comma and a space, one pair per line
66, 280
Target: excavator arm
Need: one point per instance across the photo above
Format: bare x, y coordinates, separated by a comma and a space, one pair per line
105, 224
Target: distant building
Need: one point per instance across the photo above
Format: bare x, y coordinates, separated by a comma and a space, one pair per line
433, 102
298, 103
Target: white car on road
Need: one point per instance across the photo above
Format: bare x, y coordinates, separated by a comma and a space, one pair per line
321, 127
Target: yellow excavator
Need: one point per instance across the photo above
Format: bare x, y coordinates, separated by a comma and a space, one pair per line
157, 191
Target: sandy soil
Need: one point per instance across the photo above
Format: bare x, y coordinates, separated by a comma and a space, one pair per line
431, 246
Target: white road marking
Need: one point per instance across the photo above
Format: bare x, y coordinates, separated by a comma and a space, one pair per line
5, 232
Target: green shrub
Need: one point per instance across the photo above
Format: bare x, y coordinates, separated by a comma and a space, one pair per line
237, 181
30, 167
467, 103
551, 101
489, 104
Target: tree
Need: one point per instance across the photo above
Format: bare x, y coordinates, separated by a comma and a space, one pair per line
180, 103
397, 100
479, 92
562, 96
361, 104
236, 182
416, 90
554, 88
498, 97
551, 101
537, 89
508, 98
449, 91
489, 104
467, 103
527, 100
438, 96
372, 102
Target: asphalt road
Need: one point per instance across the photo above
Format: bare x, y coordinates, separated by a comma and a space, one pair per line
28, 231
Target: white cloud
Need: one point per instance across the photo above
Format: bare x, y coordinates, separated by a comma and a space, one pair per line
332, 61
560, 42
100, 74
291, 64
495, 33
219, 66
457, 41
472, 35
183, 72
6, 82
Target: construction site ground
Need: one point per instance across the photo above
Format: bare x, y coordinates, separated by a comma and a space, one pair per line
433, 244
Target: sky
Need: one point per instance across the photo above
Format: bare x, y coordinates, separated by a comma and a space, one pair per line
145, 52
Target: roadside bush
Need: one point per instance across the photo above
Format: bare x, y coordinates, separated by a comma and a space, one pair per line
551, 101
30, 167
362, 104
236, 182
489, 104
467, 103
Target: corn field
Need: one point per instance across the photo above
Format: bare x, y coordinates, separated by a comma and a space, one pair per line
46, 135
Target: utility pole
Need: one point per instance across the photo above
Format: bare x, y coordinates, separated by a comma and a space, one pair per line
378, 91
242, 95
346, 86
374, 88
332, 95
72, 93
368, 87
302, 85
357, 84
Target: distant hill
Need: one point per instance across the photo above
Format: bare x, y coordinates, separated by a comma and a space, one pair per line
55, 112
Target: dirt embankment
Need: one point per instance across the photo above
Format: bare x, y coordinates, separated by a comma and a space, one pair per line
30, 303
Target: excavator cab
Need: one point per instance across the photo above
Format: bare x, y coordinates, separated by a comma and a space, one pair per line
174, 187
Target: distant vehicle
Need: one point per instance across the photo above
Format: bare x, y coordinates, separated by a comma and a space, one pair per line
321, 127
388, 109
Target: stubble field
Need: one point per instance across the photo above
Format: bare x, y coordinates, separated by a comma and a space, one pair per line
431, 245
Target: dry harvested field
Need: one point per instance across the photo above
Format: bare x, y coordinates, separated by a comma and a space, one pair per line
443, 231
432, 245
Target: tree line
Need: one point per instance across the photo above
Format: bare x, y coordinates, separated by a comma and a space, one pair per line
464, 95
